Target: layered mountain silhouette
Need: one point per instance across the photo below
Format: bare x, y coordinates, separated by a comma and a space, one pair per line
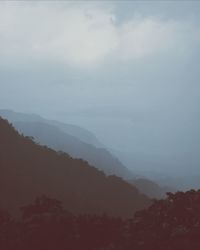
83, 134
150, 188
76, 141
28, 170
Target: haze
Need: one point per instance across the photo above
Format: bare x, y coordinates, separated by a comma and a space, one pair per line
126, 70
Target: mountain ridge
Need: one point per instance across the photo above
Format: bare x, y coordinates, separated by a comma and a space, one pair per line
29, 170
57, 138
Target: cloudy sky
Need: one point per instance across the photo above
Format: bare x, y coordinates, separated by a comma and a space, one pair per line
127, 70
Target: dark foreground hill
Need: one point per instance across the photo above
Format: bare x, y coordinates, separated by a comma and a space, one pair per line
74, 140
28, 170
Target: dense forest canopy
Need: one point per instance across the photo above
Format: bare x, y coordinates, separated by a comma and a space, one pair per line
169, 224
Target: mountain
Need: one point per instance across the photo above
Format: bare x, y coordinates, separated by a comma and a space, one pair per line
67, 138
145, 165
74, 130
81, 133
150, 188
28, 170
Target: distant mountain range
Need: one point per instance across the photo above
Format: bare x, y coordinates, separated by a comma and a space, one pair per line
82, 144
151, 188
72, 139
83, 134
28, 170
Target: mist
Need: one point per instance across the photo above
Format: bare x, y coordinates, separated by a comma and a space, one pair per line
128, 72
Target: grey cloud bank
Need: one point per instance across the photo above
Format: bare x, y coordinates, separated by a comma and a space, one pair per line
83, 35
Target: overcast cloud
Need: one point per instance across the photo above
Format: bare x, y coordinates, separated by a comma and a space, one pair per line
84, 35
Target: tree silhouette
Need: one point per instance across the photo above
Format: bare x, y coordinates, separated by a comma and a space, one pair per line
47, 225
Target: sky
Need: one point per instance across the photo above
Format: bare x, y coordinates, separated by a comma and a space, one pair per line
126, 70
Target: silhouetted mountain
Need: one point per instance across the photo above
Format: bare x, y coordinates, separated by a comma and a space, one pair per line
28, 170
56, 139
150, 188
81, 133
155, 167
66, 138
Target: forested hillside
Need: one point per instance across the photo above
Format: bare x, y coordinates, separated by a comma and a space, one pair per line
72, 139
28, 170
